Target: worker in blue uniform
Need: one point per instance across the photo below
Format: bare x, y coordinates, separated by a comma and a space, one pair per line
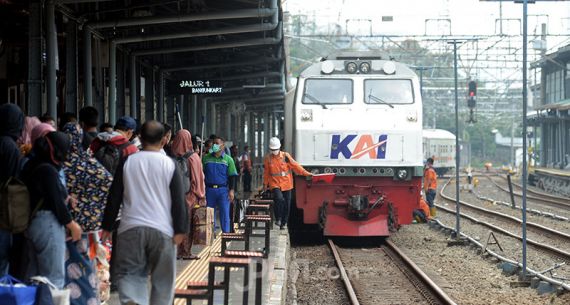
219, 172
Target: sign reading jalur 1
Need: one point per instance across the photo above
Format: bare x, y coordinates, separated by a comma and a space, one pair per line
200, 86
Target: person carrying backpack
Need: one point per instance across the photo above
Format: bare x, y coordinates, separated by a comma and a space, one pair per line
11, 125
112, 148
190, 165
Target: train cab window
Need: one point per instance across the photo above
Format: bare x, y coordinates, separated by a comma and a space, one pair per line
327, 91
388, 91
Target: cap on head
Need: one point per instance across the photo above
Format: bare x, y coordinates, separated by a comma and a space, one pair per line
127, 122
274, 143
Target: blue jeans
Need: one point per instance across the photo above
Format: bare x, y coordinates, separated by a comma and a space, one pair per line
430, 197
282, 201
144, 251
46, 252
217, 198
5, 247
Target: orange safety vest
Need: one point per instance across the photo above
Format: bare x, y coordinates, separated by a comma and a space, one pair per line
430, 179
277, 171
424, 207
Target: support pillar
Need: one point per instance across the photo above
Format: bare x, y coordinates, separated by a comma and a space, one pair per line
194, 117
121, 85
160, 103
71, 67
34, 106
266, 131
113, 81
203, 119
213, 119
133, 87
88, 69
228, 122
170, 113
149, 95
51, 60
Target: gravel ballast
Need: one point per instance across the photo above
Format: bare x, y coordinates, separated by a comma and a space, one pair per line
468, 278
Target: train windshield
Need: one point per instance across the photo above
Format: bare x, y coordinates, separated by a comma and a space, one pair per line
327, 91
388, 91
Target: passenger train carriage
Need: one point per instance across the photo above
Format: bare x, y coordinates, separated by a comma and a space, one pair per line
439, 144
360, 117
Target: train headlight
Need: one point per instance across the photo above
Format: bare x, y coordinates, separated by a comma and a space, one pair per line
412, 117
307, 115
365, 67
389, 67
402, 174
351, 67
327, 67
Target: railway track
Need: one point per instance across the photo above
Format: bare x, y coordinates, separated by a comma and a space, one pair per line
541, 197
538, 229
384, 276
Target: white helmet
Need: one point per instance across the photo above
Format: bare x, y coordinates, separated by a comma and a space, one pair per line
274, 143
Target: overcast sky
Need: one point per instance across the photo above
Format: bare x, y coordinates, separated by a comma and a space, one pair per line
468, 17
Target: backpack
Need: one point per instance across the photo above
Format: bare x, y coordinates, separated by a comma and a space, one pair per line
183, 167
110, 156
14, 206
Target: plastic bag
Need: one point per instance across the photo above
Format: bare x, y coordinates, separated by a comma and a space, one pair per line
14, 292
59, 297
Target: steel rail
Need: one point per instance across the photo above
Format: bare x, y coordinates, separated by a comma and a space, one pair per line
442, 297
548, 201
504, 259
507, 217
343, 274
557, 252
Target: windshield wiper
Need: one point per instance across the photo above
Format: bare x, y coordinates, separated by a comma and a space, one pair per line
378, 100
316, 100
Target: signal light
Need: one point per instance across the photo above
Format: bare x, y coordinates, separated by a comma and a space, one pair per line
472, 88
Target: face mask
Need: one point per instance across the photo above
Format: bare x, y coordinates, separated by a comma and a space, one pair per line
275, 152
215, 148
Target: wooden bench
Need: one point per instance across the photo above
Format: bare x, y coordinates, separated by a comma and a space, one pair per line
260, 209
228, 237
226, 263
258, 257
250, 220
191, 294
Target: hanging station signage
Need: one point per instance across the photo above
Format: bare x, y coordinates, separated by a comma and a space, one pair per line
199, 87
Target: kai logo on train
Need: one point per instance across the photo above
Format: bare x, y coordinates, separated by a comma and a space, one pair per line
354, 146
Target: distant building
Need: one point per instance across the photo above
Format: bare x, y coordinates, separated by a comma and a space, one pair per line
503, 152
550, 118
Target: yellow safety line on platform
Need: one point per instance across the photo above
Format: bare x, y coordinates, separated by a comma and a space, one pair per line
197, 269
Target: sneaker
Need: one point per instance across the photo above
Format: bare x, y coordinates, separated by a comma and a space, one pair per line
277, 223
283, 227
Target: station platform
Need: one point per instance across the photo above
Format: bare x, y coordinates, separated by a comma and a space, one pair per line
274, 276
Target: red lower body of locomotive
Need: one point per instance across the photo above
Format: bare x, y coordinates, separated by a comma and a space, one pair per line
358, 206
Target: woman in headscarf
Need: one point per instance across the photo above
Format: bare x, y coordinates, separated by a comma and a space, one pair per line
89, 182
46, 232
25, 141
181, 146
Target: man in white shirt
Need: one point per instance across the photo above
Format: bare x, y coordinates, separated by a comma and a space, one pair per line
154, 220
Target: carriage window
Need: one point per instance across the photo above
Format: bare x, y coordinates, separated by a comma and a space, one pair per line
328, 91
388, 91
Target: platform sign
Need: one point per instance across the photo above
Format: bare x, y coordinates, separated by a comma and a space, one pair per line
195, 86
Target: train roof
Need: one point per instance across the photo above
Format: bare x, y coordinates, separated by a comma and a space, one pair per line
376, 59
437, 134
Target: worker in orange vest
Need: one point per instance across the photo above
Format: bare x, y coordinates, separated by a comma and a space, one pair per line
277, 177
422, 214
430, 185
